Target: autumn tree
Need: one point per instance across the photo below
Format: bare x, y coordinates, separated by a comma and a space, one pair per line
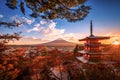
102, 71
8, 60
12, 64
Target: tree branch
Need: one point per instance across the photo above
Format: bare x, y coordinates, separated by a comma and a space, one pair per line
8, 37
9, 24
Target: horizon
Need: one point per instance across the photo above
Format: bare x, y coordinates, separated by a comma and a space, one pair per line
47, 42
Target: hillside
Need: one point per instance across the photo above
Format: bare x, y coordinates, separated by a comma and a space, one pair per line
59, 42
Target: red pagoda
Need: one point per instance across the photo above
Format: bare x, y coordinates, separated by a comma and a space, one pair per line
92, 46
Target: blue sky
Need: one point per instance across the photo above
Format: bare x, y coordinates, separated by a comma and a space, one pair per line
105, 15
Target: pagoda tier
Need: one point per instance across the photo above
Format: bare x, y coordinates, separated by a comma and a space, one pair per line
92, 43
96, 38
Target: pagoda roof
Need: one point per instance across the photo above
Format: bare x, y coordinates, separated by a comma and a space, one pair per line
92, 53
94, 37
82, 51
82, 59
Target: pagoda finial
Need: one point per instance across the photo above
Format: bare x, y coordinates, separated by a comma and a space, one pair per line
91, 29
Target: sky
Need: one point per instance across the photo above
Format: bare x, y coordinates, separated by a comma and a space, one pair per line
105, 15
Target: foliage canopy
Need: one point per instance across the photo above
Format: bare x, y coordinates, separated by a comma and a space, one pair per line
71, 10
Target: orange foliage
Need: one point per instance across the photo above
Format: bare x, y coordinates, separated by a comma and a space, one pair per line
19, 64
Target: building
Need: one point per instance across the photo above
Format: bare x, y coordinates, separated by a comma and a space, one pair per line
92, 46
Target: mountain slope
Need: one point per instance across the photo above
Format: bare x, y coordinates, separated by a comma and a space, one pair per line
59, 42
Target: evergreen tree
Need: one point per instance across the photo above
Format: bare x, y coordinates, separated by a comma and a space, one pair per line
71, 10
76, 49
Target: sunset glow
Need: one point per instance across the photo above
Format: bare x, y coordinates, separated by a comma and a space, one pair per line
116, 42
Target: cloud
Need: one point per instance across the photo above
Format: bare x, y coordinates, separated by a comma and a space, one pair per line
49, 28
16, 19
28, 21
43, 22
35, 38
29, 40
73, 37
22, 20
36, 28
1, 16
